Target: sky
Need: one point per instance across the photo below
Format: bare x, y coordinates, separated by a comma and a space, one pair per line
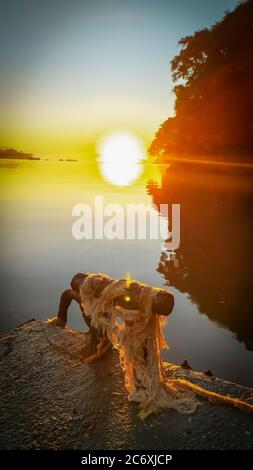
75, 71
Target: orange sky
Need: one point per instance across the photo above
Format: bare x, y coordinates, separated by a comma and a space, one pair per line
75, 71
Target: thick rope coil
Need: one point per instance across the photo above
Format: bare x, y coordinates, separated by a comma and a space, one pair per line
138, 334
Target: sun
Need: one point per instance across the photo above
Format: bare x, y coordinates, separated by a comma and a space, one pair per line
121, 158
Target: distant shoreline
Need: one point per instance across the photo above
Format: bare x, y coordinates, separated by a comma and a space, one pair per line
6, 157
13, 154
18, 157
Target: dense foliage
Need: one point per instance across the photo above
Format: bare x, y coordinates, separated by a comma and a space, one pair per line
213, 76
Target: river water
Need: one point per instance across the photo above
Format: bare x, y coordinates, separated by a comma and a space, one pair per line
211, 275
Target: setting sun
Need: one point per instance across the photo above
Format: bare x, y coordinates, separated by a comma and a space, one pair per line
120, 158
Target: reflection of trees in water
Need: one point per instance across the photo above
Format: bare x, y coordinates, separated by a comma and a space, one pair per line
213, 261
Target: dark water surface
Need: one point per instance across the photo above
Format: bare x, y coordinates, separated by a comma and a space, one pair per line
211, 277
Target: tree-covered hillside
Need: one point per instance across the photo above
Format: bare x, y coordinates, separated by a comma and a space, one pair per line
213, 76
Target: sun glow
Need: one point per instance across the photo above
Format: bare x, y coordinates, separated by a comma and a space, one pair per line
121, 158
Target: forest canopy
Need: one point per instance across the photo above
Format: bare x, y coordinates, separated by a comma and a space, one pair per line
213, 76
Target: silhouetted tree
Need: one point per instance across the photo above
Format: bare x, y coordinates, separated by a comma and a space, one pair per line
213, 75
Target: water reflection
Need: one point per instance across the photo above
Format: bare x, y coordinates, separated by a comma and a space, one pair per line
121, 174
210, 278
213, 261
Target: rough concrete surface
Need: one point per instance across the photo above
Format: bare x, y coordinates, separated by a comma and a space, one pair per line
49, 399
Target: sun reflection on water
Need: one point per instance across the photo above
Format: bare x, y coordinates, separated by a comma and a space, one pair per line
121, 157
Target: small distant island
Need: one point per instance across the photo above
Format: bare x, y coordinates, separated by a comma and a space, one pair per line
67, 160
12, 154
213, 76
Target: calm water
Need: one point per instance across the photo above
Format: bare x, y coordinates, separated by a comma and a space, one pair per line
211, 277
